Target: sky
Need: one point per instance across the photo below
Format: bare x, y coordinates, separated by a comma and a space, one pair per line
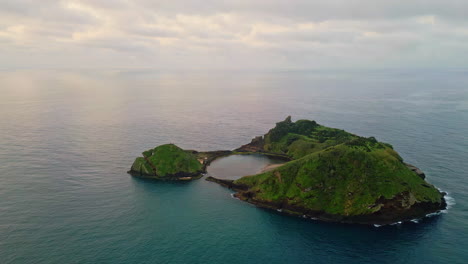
239, 34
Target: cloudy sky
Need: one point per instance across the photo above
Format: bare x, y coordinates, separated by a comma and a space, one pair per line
239, 34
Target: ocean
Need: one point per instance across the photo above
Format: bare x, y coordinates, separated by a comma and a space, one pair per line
68, 137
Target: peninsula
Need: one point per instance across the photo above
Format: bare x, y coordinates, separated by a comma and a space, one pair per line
330, 174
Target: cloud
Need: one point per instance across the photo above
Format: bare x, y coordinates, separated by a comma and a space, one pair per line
233, 34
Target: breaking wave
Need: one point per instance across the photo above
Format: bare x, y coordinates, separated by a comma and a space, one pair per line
450, 203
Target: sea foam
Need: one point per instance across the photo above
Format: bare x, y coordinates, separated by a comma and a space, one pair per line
450, 203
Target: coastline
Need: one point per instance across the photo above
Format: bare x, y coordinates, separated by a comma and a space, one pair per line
417, 212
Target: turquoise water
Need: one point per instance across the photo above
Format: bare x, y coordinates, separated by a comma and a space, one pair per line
67, 139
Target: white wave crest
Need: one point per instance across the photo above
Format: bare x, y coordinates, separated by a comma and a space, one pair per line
232, 196
449, 200
434, 214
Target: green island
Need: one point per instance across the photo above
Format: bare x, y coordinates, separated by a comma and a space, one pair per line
169, 162
330, 175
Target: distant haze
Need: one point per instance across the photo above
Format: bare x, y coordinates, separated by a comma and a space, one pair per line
240, 34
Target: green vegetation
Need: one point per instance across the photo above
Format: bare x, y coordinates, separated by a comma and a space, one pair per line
167, 161
335, 172
343, 179
303, 137
142, 166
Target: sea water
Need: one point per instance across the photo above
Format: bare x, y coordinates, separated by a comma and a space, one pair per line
67, 139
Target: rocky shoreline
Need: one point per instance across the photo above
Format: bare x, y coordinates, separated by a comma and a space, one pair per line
394, 210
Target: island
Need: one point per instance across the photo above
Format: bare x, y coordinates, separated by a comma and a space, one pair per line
330, 175
169, 162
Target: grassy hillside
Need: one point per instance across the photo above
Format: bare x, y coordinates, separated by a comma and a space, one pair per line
346, 179
167, 160
336, 172
303, 137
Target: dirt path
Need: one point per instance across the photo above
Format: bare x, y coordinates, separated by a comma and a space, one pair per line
271, 167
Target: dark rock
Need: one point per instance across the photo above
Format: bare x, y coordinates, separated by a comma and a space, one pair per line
416, 170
